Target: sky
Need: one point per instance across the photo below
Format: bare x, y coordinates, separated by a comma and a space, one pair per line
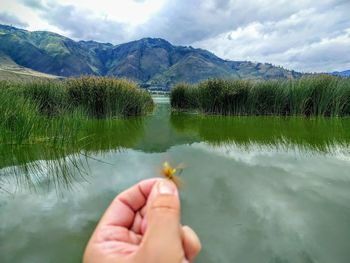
304, 35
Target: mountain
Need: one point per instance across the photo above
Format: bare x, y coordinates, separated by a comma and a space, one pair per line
9, 70
149, 61
345, 73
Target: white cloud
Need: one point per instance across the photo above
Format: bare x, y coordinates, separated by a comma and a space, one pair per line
127, 11
11, 19
308, 40
103, 20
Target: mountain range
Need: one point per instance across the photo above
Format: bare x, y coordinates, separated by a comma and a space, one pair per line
149, 61
345, 73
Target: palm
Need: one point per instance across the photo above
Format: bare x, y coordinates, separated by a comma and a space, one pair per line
121, 234
121, 228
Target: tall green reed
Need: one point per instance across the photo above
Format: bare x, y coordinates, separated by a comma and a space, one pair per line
52, 111
107, 97
320, 95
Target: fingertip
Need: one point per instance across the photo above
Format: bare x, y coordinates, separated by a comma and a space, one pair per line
164, 192
166, 187
191, 243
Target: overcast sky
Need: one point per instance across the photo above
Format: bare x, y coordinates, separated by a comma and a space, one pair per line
304, 35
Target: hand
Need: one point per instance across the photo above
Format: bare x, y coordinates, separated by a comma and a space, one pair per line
142, 225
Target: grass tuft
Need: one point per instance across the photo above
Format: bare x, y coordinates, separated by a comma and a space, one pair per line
321, 95
52, 111
107, 97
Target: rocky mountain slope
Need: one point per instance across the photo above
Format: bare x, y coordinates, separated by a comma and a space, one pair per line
149, 61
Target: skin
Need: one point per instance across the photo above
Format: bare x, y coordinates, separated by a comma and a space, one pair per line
142, 224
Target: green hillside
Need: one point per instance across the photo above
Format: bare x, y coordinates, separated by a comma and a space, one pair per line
151, 61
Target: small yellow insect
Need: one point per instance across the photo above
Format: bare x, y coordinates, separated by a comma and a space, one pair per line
170, 173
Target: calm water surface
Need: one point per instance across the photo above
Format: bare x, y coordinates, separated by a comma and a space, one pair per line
257, 189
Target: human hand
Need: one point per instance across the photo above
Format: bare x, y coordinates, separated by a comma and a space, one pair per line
142, 224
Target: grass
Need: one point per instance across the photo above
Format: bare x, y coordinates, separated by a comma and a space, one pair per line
65, 119
106, 97
53, 112
321, 95
64, 158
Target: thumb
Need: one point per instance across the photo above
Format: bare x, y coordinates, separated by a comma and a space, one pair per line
162, 240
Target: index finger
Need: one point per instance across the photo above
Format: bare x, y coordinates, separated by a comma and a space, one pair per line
121, 211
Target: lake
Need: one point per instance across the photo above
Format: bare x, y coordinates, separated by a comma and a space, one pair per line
256, 189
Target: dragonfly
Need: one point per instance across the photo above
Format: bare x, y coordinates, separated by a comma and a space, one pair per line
173, 173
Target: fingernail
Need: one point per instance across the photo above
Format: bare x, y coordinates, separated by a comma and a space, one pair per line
166, 187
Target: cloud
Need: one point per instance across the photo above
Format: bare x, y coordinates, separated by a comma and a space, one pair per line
9, 19
181, 22
313, 39
83, 24
92, 22
185, 22
330, 54
35, 4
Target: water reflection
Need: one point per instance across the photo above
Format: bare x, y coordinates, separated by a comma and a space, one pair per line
321, 135
31, 166
159, 135
247, 195
267, 206
59, 165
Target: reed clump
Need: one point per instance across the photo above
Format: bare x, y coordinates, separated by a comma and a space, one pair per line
184, 96
320, 95
18, 117
53, 111
107, 97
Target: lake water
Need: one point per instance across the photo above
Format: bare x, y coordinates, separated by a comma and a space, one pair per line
257, 189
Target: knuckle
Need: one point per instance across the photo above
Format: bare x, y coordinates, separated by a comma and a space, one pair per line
166, 204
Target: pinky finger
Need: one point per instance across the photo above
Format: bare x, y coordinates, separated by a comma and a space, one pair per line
191, 243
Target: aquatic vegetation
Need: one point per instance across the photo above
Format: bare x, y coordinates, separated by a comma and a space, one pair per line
66, 160
320, 95
108, 97
35, 165
64, 119
322, 135
184, 96
39, 111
